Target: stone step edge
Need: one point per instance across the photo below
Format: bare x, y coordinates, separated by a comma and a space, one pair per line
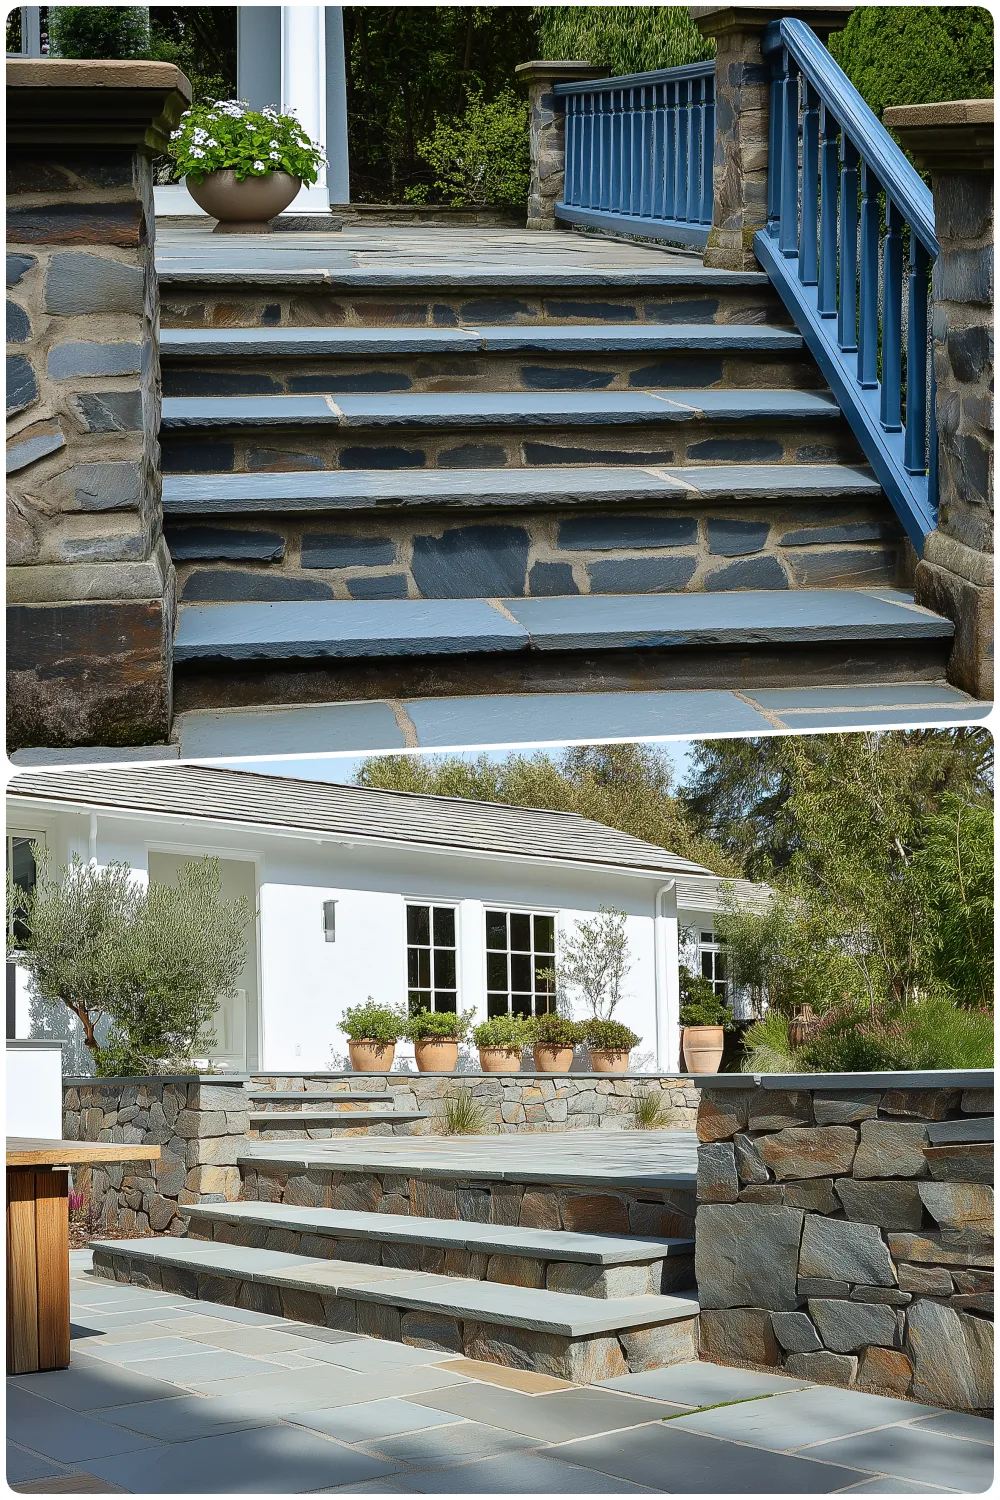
320, 1096
559, 1313
334, 1116
450, 1234
446, 277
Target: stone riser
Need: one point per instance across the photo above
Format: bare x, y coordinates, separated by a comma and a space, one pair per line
685, 370
665, 1213
280, 449
675, 1274
197, 686
553, 552
277, 306
325, 1132
583, 1360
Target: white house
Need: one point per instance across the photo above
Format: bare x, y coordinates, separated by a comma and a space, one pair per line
444, 902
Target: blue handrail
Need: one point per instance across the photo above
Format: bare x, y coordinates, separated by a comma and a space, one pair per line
639, 153
842, 201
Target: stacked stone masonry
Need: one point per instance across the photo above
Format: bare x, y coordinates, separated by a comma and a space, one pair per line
846, 1236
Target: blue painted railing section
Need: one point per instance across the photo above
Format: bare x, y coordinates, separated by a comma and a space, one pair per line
639, 153
849, 245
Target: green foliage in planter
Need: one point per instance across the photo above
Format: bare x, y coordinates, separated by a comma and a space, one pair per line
501, 1031
622, 38
608, 1036
99, 31
229, 135
463, 1114
700, 1005
373, 1023
481, 159
438, 1025
917, 54
554, 1031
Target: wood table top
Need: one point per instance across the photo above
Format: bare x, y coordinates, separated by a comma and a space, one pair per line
36, 1151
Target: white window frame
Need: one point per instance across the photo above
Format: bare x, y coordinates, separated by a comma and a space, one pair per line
717, 950
517, 911
450, 904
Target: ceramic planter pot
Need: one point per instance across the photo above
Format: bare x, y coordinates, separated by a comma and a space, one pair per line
243, 207
371, 1057
500, 1059
602, 1061
703, 1048
436, 1054
549, 1059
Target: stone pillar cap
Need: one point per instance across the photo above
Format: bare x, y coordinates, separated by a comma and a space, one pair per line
577, 71
71, 101
954, 136
714, 20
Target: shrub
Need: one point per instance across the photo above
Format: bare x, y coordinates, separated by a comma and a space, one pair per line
554, 1031
933, 1033
649, 1112
608, 1036
917, 54
228, 134
482, 159
700, 1005
767, 1048
438, 1025
624, 38
501, 1031
373, 1023
464, 1115
103, 31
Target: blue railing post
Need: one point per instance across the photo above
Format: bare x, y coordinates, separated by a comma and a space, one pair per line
892, 311
809, 224
847, 329
868, 278
829, 167
915, 457
789, 195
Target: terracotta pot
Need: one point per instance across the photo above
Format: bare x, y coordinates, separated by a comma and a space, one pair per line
703, 1048
550, 1059
500, 1059
243, 207
436, 1055
371, 1057
608, 1062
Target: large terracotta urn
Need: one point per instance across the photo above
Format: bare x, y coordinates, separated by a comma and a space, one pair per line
371, 1057
436, 1054
551, 1059
703, 1048
500, 1059
603, 1060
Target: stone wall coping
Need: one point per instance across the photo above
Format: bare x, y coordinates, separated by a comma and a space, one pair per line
74, 102
86, 73
576, 70
956, 136
950, 112
88, 1080
966, 1078
715, 20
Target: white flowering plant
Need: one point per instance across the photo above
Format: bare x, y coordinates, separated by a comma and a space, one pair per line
229, 135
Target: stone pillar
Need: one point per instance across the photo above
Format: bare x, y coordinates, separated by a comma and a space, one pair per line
548, 133
742, 118
954, 142
90, 584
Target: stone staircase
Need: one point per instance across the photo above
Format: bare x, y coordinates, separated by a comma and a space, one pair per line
380, 486
315, 1114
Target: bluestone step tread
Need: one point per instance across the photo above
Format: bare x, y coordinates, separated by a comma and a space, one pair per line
319, 1096
458, 275
421, 627
458, 1234
288, 1118
565, 338
500, 409
363, 489
564, 1313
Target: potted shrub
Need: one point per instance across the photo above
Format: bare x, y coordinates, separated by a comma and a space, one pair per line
372, 1032
501, 1042
705, 1020
553, 1039
242, 165
435, 1035
610, 1044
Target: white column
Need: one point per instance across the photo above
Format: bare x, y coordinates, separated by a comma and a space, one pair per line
303, 89
666, 935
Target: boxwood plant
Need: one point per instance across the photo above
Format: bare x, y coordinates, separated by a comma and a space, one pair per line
554, 1031
508, 1032
373, 1023
609, 1036
228, 134
438, 1025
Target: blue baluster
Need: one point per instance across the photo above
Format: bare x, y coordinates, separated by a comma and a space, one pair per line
659, 149
932, 448
607, 156
847, 330
648, 180
914, 459
670, 165
695, 137
683, 148
892, 312
569, 120
789, 234
808, 229
829, 161
708, 154
868, 294
775, 136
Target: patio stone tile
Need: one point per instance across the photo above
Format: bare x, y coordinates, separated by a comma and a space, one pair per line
91, 1384
184, 1417
23, 1465
375, 1419
75, 1483
208, 1323
245, 1340
701, 1384
515, 1380
959, 1424
107, 1322
200, 1367
800, 1418
67, 1436
521, 1474
290, 1361
322, 1335
697, 1465
896, 1487
911, 1453
324, 1385
263, 1460
555, 1418
127, 1327
439, 1446
132, 1350
382, 1354
368, 1487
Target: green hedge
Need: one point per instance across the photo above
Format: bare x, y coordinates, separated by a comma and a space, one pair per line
624, 38
917, 54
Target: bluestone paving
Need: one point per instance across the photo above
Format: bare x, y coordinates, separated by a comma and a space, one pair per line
325, 1385
875, 718
216, 1364
438, 1446
897, 1487
371, 1355
519, 1474
960, 1424
184, 1417
701, 1384
67, 1436
556, 1417
913, 1453
23, 1466
376, 1419
801, 1418
861, 695
92, 1384
133, 1350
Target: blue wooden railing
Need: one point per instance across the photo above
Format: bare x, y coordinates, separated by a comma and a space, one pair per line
843, 205
639, 153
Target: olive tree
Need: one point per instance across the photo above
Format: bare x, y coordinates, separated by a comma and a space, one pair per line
595, 961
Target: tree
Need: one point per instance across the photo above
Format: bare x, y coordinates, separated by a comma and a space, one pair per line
954, 871
112, 31
148, 962
917, 54
595, 961
623, 38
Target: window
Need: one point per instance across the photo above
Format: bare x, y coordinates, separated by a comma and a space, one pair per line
21, 867
520, 945
431, 958
713, 964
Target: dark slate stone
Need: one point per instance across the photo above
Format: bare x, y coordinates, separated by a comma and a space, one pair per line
817, 453
110, 411
641, 575
755, 573
22, 386
494, 310
18, 324
627, 533
590, 312
231, 585
365, 382
72, 223
335, 550
28, 448
18, 266
444, 317
217, 383
745, 1255
472, 562
848, 531
551, 580
694, 371
105, 486
974, 462
552, 453
79, 283
852, 567
385, 457
736, 538
197, 458
473, 456
71, 359
281, 461
536, 378
66, 170
700, 310
382, 586
964, 276
737, 450
219, 544
970, 351
271, 315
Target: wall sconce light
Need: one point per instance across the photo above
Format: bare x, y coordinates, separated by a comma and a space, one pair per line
329, 921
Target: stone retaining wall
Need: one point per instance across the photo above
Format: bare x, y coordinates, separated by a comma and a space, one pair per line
845, 1233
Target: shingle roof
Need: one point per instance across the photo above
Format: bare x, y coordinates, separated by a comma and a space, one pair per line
191, 791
